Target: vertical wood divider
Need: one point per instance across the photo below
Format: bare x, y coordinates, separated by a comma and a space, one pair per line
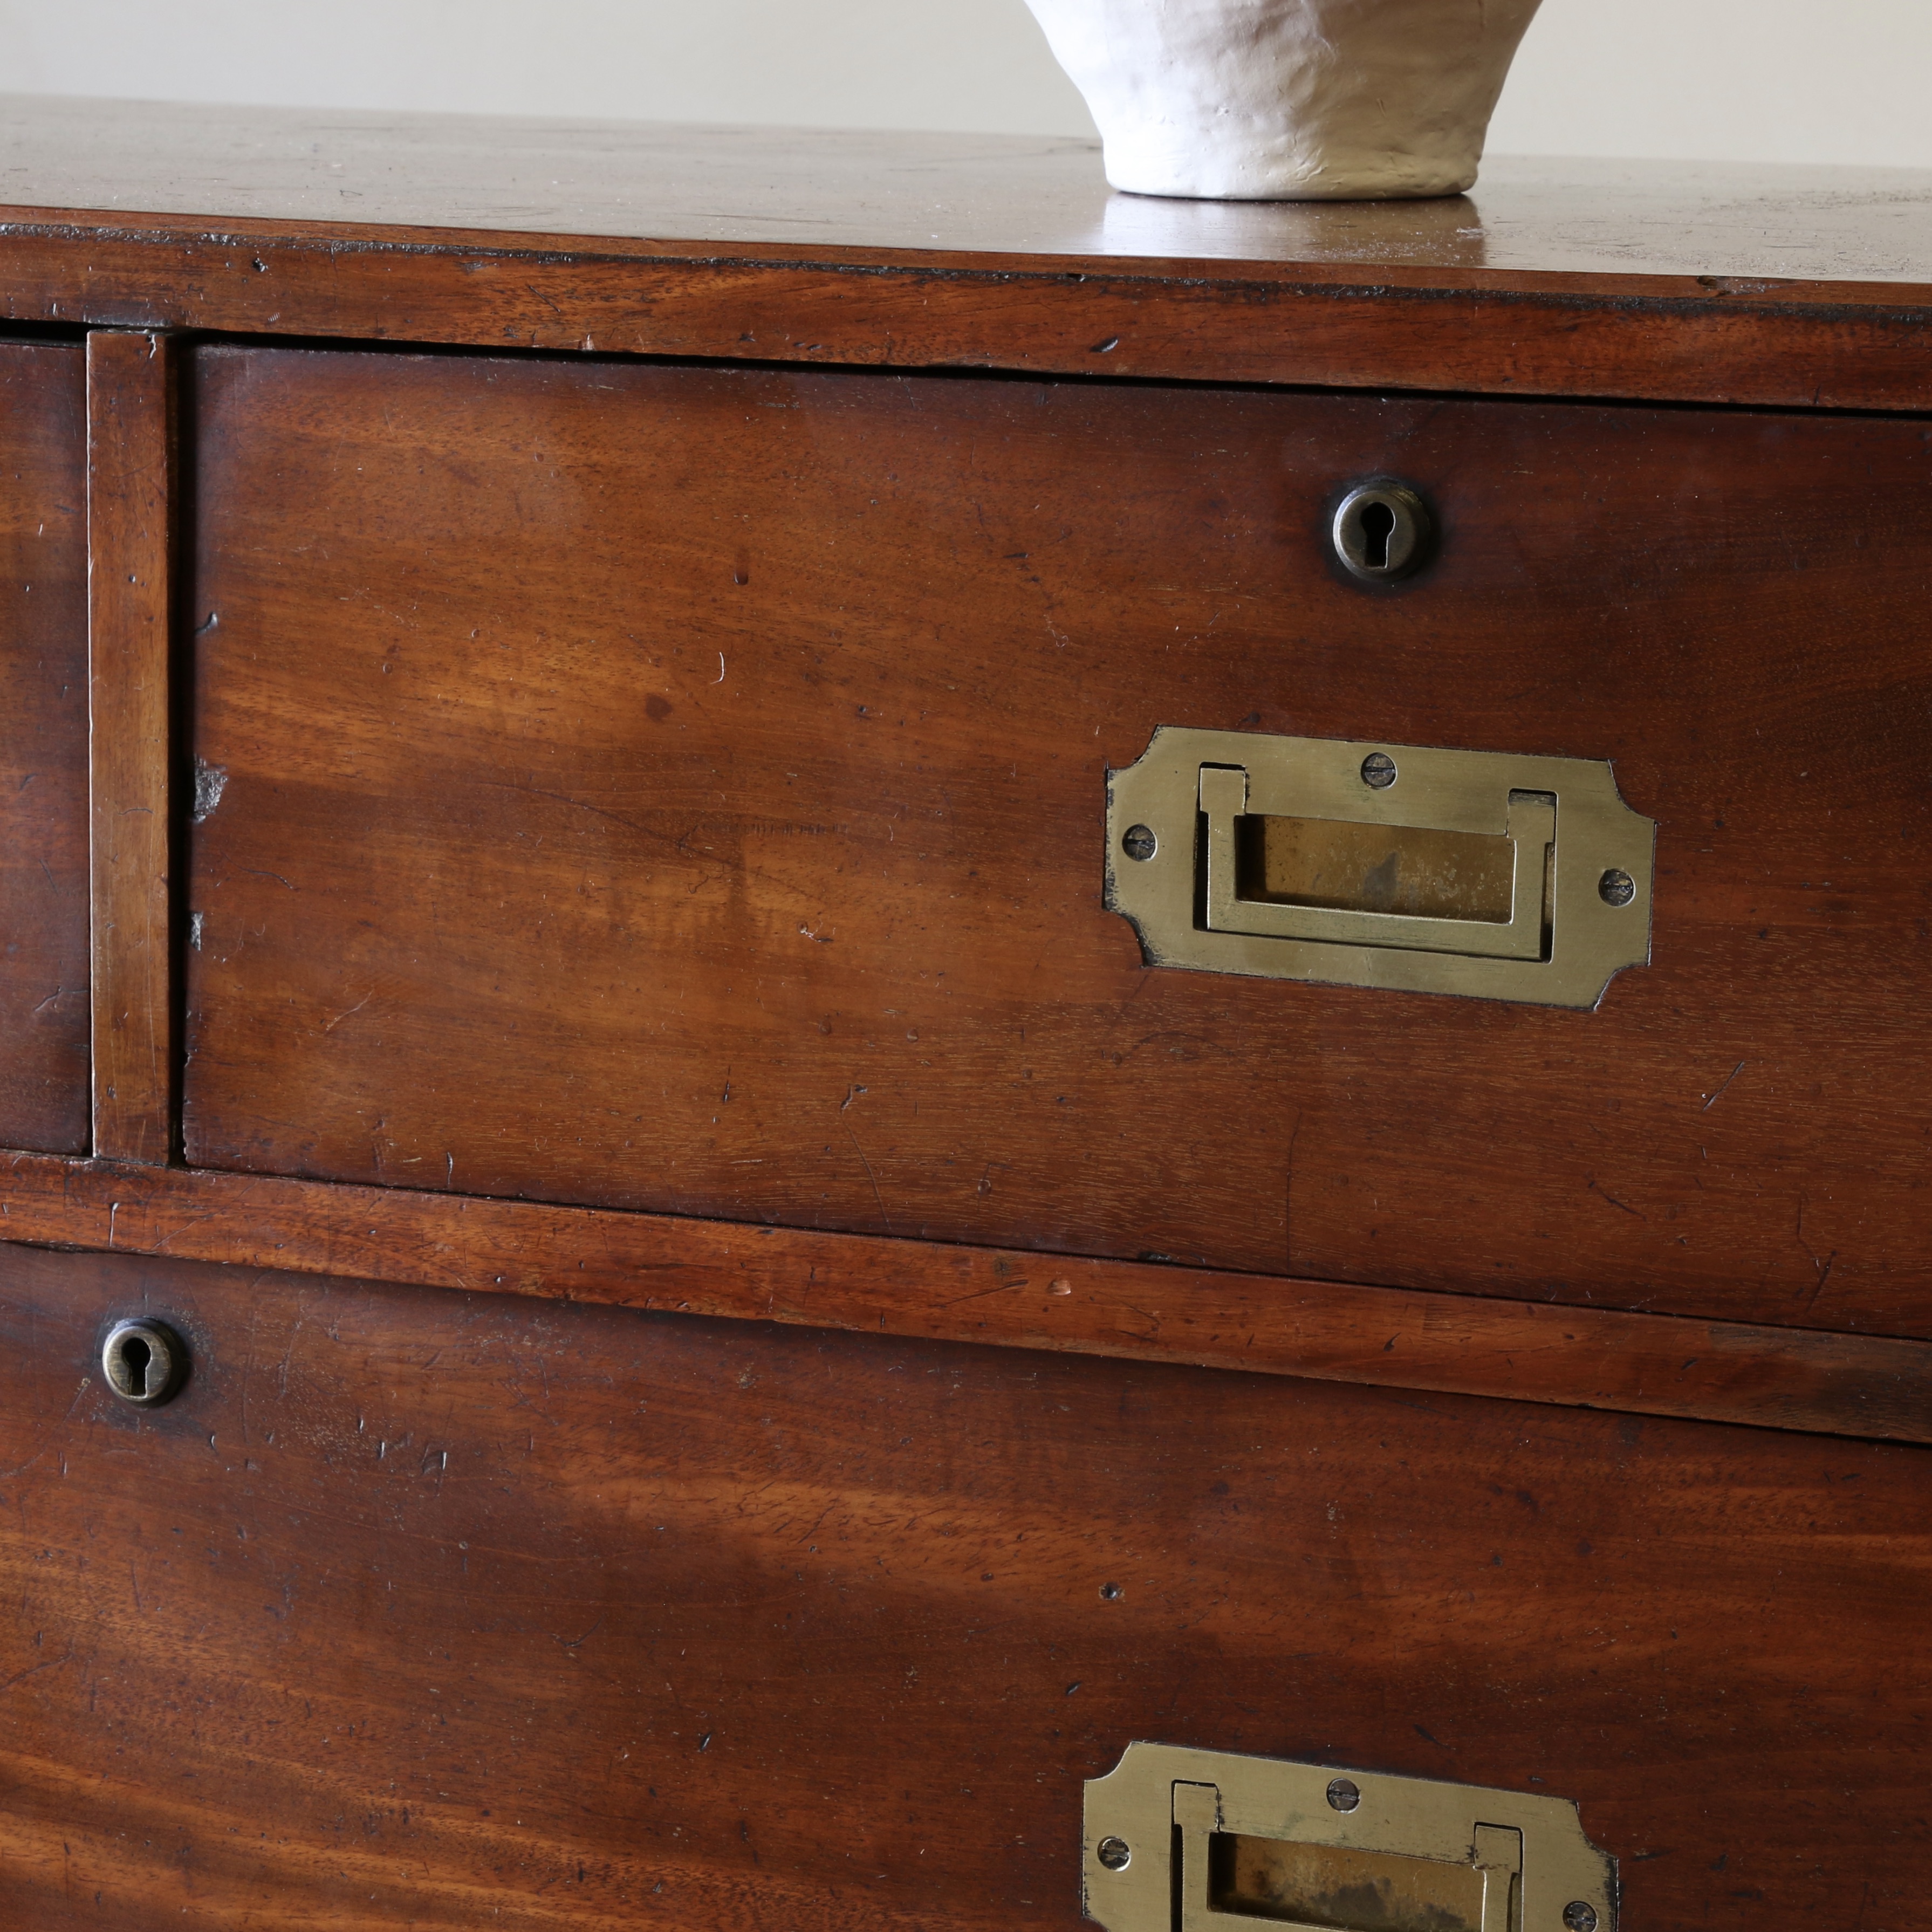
130, 525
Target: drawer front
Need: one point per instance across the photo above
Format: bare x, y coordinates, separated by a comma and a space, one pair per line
421, 1608
43, 964
684, 789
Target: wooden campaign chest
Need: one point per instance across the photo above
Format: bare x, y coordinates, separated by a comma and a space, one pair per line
831, 975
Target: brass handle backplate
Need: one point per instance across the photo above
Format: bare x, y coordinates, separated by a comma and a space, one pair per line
1181, 1841
1413, 867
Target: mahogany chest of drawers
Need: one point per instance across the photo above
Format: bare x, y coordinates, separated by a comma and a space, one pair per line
887, 974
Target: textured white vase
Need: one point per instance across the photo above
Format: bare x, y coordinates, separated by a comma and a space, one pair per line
1288, 100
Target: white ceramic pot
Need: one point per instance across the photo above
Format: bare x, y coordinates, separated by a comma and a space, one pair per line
1288, 100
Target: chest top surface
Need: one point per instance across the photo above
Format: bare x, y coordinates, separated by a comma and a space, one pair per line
1790, 287
957, 196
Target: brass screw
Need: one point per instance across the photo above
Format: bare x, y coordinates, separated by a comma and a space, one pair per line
1616, 888
1140, 842
1344, 1794
1580, 1915
1379, 771
1116, 1854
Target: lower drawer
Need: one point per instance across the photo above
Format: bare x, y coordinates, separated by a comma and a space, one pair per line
421, 1609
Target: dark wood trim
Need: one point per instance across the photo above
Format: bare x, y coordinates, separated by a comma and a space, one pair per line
1396, 1338
1638, 337
130, 454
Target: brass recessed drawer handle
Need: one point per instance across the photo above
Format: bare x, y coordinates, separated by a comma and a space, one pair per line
1179, 1841
1424, 870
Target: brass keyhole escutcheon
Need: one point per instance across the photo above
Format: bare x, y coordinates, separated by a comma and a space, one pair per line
1382, 531
143, 1362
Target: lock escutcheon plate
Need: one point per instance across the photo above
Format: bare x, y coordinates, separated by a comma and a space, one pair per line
1528, 878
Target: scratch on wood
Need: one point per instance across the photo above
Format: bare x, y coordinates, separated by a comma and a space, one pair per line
34, 1670
1711, 1100
1590, 1181
329, 1026
868, 1165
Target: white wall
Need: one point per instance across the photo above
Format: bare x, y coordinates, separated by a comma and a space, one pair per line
1812, 80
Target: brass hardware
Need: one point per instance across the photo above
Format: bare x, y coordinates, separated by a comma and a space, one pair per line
1381, 531
1422, 870
1179, 1841
142, 1362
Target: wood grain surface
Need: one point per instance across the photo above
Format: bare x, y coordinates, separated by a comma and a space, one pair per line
1734, 342
43, 968
1396, 1338
1672, 280
418, 1608
953, 195
130, 537
682, 790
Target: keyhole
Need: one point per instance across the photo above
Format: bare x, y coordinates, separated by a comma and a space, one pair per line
1377, 527
143, 1362
136, 1355
1381, 532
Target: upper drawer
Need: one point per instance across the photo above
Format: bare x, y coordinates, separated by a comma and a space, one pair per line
685, 788
43, 1013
